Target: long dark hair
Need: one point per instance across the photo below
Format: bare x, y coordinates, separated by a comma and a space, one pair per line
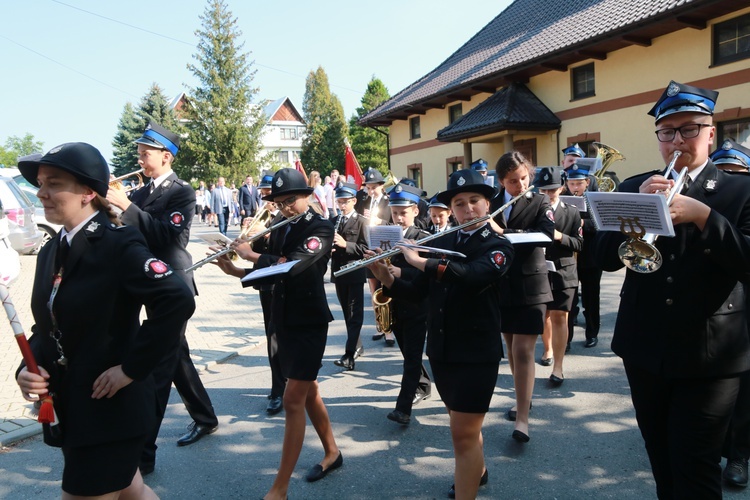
101, 203
510, 162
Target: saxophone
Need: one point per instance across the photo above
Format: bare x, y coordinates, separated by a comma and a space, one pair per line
382, 307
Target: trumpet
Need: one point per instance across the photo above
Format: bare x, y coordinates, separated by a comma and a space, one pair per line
638, 252
394, 251
117, 183
255, 237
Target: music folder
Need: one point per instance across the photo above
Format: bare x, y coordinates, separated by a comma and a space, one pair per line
630, 212
270, 271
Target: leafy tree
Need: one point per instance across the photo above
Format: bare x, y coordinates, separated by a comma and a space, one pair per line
18, 146
154, 106
323, 145
223, 124
370, 146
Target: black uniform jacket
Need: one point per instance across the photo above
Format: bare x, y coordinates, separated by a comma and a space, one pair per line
164, 217
363, 203
463, 323
109, 275
526, 283
413, 310
688, 318
299, 296
262, 245
355, 231
563, 253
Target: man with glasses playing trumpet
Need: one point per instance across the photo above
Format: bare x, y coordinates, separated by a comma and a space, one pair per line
681, 330
163, 211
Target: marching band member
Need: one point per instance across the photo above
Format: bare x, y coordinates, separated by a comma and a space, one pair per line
299, 317
525, 288
409, 317
94, 354
563, 280
441, 217
464, 343
681, 330
349, 244
163, 211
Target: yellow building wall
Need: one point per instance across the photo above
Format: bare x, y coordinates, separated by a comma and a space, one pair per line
683, 56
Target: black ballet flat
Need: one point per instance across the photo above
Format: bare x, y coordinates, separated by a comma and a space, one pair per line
512, 414
520, 436
556, 381
482, 481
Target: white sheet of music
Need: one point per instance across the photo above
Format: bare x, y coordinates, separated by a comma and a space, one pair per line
270, 271
216, 238
516, 238
630, 212
577, 201
385, 237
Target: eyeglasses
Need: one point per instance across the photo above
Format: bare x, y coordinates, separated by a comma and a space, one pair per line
286, 203
686, 131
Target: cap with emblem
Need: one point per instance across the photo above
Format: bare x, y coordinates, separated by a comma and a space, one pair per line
82, 160
288, 181
346, 190
157, 136
574, 150
403, 195
577, 171
731, 153
681, 98
373, 176
548, 178
265, 181
480, 165
465, 180
434, 202
411, 182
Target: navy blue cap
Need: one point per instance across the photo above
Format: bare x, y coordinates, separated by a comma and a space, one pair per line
403, 195
288, 181
82, 160
265, 181
434, 202
731, 153
480, 165
548, 178
157, 136
373, 176
345, 190
464, 180
681, 98
574, 150
576, 171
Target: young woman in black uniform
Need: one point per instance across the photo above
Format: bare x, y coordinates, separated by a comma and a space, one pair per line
94, 355
464, 344
525, 289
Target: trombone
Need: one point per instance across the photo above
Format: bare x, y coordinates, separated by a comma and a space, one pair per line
118, 184
396, 250
229, 249
638, 252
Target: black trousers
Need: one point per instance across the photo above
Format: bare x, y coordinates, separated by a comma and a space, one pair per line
410, 331
177, 367
590, 279
278, 382
683, 423
352, 299
737, 443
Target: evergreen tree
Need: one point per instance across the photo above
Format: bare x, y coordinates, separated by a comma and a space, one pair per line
154, 106
223, 124
370, 146
323, 145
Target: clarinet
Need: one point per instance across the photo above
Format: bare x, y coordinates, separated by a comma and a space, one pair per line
336, 229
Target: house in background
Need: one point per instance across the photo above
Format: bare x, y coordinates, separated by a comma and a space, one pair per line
283, 132
544, 75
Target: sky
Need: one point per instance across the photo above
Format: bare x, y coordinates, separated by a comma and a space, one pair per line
70, 66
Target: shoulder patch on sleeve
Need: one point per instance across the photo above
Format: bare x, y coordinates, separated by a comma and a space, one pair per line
156, 269
176, 219
313, 244
498, 258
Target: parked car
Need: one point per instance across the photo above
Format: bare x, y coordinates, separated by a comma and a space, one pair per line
10, 265
49, 229
24, 235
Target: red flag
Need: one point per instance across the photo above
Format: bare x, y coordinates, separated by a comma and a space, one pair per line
352, 170
300, 168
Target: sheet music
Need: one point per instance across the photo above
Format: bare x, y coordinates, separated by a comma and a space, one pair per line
215, 239
270, 271
630, 212
577, 201
516, 238
385, 237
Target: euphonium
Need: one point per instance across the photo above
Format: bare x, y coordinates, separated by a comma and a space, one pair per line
117, 183
608, 155
638, 252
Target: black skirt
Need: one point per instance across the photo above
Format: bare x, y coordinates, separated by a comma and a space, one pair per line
103, 468
562, 300
301, 350
523, 320
465, 387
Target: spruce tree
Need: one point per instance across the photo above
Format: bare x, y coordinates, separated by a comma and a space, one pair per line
224, 125
323, 145
370, 146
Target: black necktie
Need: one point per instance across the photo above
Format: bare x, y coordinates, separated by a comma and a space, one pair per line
462, 237
152, 187
62, 253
